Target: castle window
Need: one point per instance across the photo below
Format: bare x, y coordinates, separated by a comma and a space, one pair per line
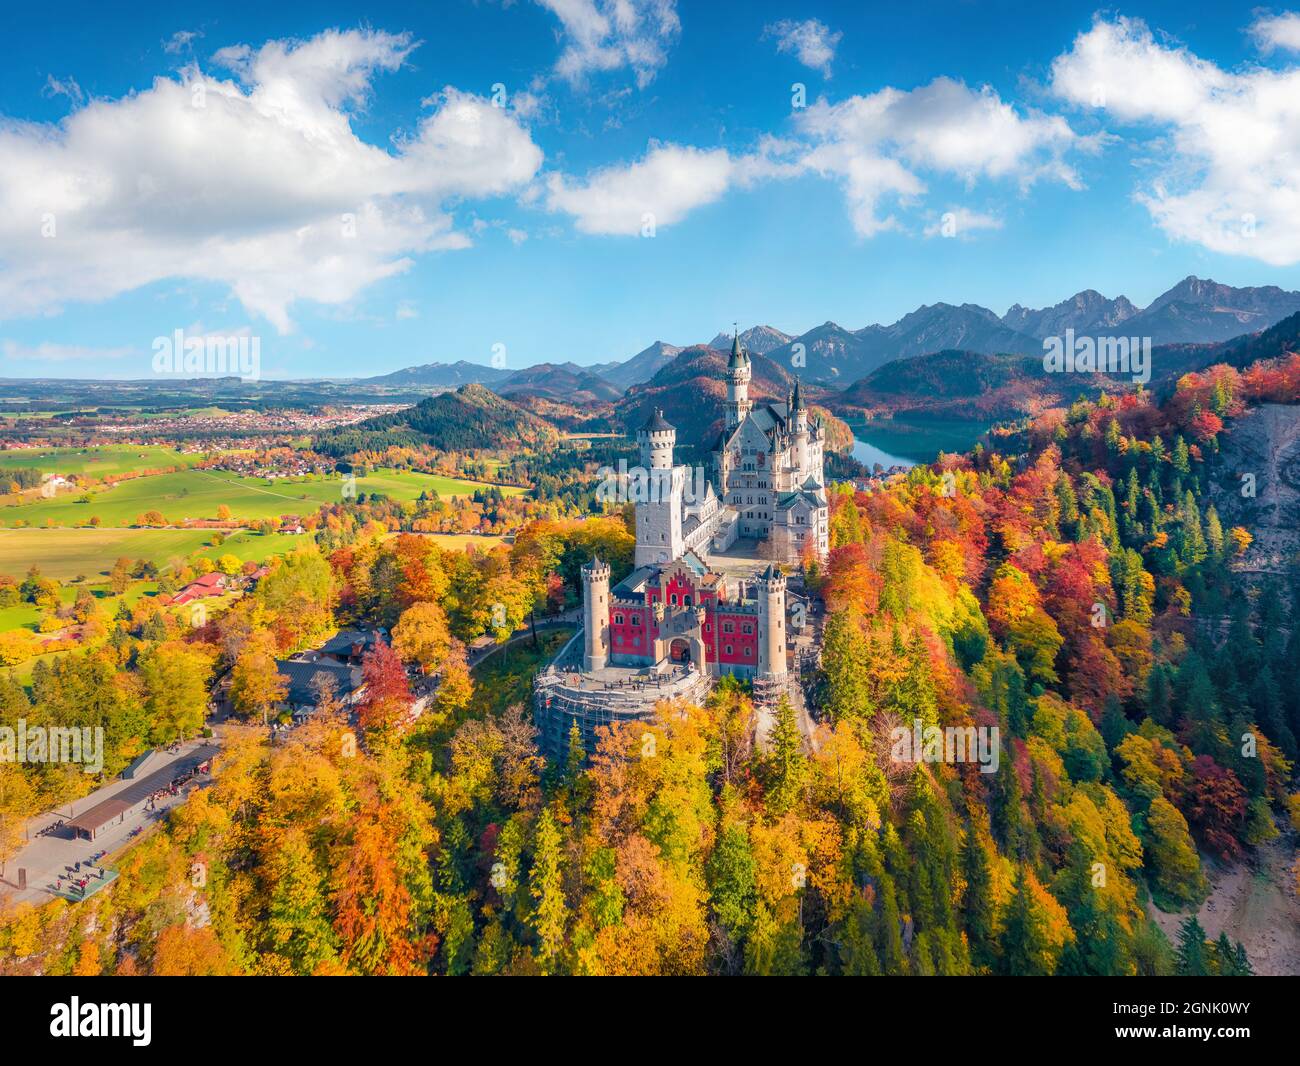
618, 619
728, 627
749, 653
747, 628
673, 599
686, 601
728, 649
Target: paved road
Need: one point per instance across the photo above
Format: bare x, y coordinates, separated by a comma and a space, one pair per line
573, 617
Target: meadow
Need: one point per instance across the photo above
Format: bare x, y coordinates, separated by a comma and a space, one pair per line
95, 462
196, 494
65, 554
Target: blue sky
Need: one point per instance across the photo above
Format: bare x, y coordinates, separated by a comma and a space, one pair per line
197, 169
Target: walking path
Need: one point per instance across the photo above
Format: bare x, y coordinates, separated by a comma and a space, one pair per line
572, 617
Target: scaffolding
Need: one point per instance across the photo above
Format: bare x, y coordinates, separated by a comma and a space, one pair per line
562, 695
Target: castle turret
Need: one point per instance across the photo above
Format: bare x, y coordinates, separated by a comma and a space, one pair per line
659, 501
799, 422
738, 374
657, 437
770, 588
595, 614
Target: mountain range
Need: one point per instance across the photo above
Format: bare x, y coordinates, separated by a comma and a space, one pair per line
952, 383
1195, 311
993, 386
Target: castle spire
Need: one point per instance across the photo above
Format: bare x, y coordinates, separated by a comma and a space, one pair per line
738, 354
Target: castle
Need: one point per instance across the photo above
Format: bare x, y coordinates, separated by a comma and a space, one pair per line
767, 469
673, 625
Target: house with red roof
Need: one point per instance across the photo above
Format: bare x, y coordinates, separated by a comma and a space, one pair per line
213, 584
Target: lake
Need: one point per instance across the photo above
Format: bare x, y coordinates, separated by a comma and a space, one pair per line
906, 442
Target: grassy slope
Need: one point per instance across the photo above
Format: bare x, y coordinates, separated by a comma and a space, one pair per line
67, 553
198, 494
96, 462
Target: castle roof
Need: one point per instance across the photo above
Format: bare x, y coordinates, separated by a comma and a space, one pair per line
739, 357
813, 497
769, 417
656, 423
633, 586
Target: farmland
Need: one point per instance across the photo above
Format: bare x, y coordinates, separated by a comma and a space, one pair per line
95, 462
65, 554
196, 494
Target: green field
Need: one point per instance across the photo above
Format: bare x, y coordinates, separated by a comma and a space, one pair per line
65, 554
27, 615
196, 494
95, 462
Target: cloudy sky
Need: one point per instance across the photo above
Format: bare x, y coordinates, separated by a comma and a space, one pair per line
574, 179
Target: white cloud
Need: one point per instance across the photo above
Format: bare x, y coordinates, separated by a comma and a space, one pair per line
1273, 32
64, 87
662, 188
180, 41
605, 35
256, 182
1229, 180
876, 145
812, 42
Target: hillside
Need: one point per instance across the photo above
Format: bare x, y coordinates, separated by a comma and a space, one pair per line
1264, 441
470, 419
440, 375
560, 381
962, 384
837, 355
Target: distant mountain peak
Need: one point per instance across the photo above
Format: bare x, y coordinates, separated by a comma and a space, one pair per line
759, 339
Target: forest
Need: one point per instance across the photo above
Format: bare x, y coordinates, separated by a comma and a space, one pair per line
1076, 587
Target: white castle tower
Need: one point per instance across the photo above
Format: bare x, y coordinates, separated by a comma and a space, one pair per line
799, 416
770, 587
659, 506
595, 614
738, 375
